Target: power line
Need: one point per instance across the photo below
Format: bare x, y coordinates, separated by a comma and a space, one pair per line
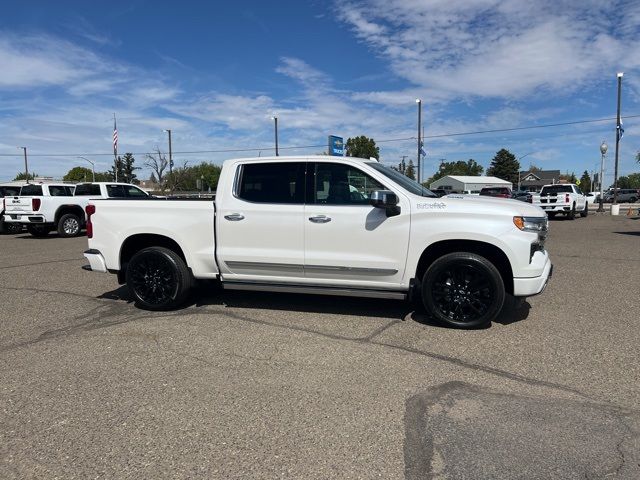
300, 147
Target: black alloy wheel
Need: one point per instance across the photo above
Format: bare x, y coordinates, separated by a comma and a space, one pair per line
463, 290
158, 279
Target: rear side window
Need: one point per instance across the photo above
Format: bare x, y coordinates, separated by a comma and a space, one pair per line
31, 191
272, 182
60, 191
85, 189
9, 191
116, 191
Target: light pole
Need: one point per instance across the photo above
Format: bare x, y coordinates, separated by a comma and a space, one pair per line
275, 120
93, 167
419, 102
26, 167
618, 130
520, 158
170, 160
603, 151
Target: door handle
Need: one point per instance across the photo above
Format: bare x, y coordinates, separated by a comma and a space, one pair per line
234, 217
320, 219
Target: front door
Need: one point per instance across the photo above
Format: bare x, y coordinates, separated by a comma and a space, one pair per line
259, 226
347, 241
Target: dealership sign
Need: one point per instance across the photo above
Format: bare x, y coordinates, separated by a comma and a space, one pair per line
336, 146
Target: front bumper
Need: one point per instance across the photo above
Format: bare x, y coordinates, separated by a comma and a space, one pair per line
527, 287
96, 261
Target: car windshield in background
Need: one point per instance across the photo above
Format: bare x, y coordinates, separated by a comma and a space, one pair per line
556, 189
405, 182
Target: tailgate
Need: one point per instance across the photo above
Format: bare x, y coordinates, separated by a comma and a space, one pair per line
19, 205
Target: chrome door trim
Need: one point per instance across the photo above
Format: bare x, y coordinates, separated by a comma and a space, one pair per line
320, 219
289, 267
234, 217
353, 270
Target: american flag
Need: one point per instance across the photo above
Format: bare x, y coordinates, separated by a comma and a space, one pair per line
115, 136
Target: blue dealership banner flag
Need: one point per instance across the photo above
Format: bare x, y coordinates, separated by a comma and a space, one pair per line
336, 146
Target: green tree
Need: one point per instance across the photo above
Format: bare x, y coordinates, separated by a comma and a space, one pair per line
362, 147
505, 166
23, 176
411, 170
78, 174
460, 167
585, 182
187, 178
128, 169
629, 181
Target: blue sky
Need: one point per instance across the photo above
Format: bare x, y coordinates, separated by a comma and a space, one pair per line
216, 72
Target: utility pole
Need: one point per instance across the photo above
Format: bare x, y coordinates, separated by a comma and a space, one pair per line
170, 161
115, 147
275, 119
26, 165
618, 131
419, 102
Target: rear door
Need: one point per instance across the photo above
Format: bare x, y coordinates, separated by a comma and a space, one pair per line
347, 241
259, 223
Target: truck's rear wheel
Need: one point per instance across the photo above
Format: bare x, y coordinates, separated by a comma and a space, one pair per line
572, 214
158, 279
69, 225
585, 212
38, 230
463, 290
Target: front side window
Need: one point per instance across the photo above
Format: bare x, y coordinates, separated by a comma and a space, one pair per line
272, 182
134, 192
340, 184
116, 191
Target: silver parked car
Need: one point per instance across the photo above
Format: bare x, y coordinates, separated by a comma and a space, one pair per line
624, 195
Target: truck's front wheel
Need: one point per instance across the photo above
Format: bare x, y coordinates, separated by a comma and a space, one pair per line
463, 290
158, 279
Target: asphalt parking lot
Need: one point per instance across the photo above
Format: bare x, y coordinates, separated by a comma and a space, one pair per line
259, 385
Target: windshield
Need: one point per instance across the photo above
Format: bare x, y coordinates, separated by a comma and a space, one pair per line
405, 182
556, 189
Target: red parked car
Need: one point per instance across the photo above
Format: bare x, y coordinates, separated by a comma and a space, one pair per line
502, 192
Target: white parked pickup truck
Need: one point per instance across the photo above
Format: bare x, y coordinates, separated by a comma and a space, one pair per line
11, 189
45, 207
325, 225
565, 198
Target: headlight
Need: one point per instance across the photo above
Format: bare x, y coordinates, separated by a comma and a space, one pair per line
539, 225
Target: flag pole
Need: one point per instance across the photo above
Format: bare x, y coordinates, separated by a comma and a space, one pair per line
115, 147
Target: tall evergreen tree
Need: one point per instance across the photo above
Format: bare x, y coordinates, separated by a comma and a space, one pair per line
411, 170
585, 182
505, 166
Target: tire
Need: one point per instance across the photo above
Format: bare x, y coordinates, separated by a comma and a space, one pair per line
69, 225
632, 200
463, 290
572, 214
585, 212
39, 231
158, 279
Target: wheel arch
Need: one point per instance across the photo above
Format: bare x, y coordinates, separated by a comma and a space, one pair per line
74, 209
491, 252
137, 242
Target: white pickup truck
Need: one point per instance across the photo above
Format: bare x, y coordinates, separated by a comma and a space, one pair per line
565, 198
45, 207
11, 189
325, 225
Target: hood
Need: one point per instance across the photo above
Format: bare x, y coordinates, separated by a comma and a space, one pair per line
475, 204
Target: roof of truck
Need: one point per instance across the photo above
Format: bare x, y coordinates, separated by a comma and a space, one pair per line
303, 158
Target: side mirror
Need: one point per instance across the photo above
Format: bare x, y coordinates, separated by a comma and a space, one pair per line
385, 199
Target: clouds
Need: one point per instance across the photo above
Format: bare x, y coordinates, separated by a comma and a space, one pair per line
495, 49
